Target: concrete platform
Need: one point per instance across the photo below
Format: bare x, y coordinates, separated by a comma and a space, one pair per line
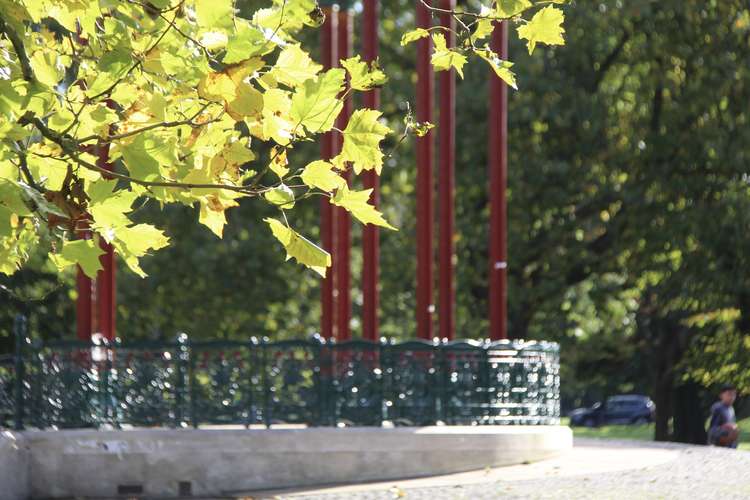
225, 462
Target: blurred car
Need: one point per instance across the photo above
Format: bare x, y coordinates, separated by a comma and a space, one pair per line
622, 409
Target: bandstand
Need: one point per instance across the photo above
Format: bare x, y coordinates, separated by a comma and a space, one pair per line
183, 417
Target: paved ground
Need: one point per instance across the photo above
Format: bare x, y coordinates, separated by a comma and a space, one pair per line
594, 469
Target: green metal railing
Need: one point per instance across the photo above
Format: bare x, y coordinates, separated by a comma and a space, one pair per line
71, 384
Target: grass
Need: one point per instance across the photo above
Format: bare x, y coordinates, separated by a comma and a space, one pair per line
645, 432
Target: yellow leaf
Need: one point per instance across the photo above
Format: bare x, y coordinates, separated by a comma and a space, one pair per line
279, 162
544, 27
320, 174
294, 66
306, 252
443, 58
217, 87
356, 203
362, 137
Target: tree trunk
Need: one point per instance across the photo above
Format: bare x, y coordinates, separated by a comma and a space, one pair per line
689, 419
664, 375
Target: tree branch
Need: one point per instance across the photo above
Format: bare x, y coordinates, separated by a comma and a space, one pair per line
23, 58
69, 147
153, 126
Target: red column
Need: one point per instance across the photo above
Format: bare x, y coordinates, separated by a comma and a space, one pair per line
84, 310
446, 182
370, 180
343, 220
498, 165
105, 292
328, 150
105, 279
424, 145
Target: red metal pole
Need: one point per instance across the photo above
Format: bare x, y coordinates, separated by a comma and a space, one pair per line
105, 292
84, 288
370, 180
105, 279
424, 151
447, 142
328, 150
498, 165
343, 220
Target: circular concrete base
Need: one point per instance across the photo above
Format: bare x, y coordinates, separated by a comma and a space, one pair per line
163, 462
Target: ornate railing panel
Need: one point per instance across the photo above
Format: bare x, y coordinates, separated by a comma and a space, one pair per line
146, 383
465, 382
63, 386
291, 379
518, 372
311, 382
352, 373
411, 382
223, 378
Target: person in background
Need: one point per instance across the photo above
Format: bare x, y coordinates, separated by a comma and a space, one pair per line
723, 431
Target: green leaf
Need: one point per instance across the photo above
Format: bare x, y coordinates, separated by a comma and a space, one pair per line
134, 242
52, 173
306, 252
544, 27
41, 204
413, 36
501, 67
281, 195
356, 203
10, 100
362, 137
246, 42
320, 174
146, 153
113, 66
108, 208
443, 58
294, 66
213, 14
511, 8
316, 104
484, 27
362, 77
46, 67
85, 253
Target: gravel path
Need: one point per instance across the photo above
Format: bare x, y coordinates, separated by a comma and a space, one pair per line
648, 471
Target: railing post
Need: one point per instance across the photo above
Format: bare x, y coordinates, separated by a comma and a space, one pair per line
484, 381
320, 376
251, 366
442, 377
19, 328
183, 370
100, 355
266, 387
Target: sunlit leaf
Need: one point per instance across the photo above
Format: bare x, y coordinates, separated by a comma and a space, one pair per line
362, 137
357, 203
443, 58
544, 27
81, 252
300, 248
320, 174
